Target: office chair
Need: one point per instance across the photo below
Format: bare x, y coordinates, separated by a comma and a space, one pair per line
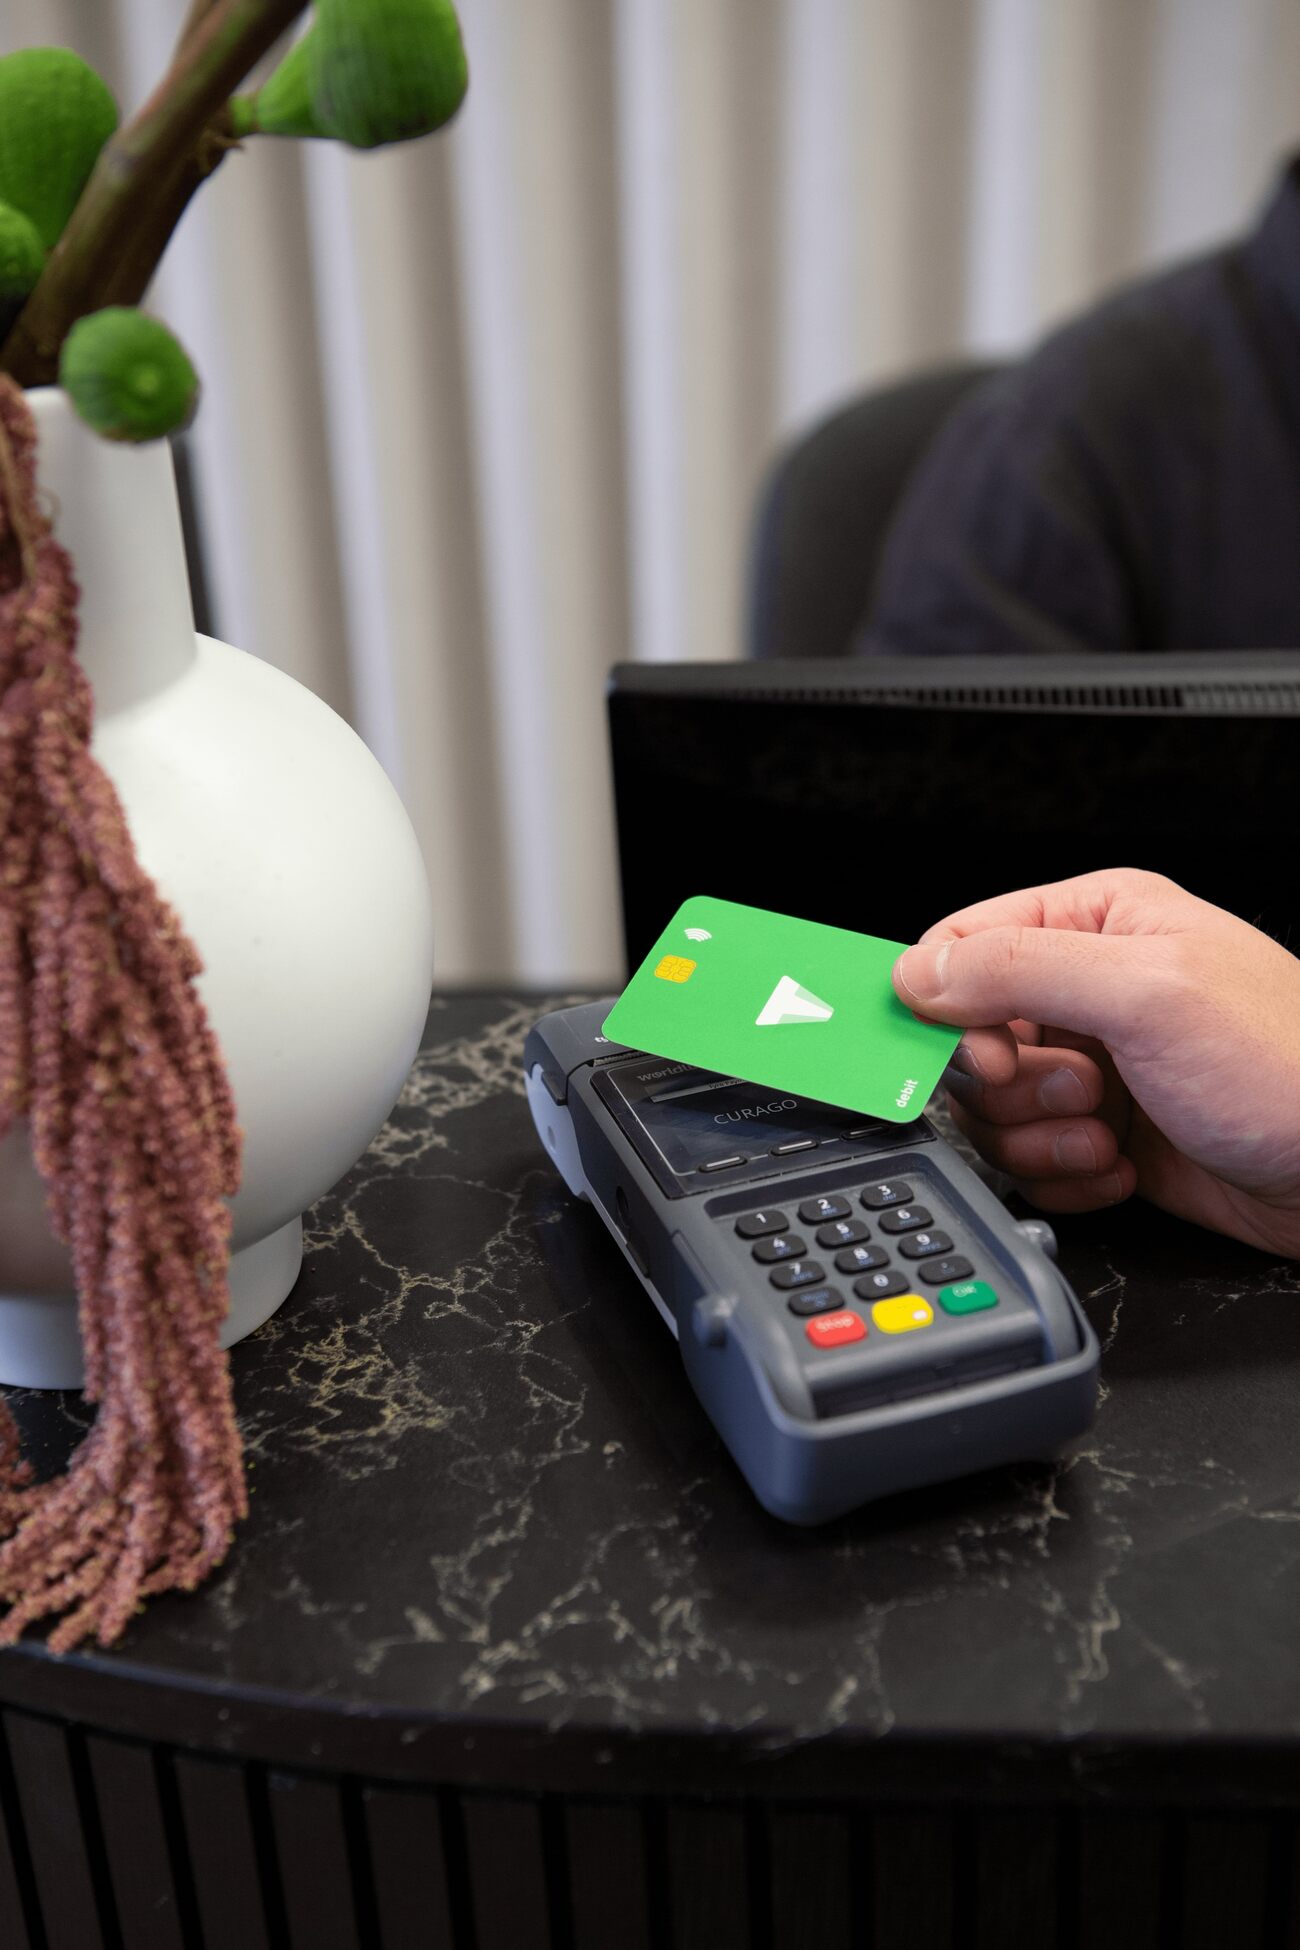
824, 509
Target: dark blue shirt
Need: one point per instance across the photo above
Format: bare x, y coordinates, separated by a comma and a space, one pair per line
1133, 485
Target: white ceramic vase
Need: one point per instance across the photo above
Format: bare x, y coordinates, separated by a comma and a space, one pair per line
288, 855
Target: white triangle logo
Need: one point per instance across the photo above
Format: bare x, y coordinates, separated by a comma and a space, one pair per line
790, 1003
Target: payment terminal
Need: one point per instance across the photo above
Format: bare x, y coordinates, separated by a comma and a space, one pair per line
857, 1312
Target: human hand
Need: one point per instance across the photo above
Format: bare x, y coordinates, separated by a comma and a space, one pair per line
1123, 1036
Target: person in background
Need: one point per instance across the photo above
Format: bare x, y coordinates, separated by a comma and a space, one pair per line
1143, 1040
1132, 485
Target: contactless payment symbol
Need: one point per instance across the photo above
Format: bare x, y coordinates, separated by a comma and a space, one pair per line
675, 968
788, 1002
697, 934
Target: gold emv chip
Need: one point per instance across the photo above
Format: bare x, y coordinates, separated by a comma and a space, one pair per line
675, 968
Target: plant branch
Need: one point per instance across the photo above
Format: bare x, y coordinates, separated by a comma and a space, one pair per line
136, 168
158, 221
198, 9
134, 270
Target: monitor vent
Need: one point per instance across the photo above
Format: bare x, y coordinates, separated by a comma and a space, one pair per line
1254, 700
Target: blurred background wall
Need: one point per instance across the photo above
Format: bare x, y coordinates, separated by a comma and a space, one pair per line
486, 415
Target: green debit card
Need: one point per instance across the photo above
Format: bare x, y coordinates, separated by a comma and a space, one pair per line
790, 1004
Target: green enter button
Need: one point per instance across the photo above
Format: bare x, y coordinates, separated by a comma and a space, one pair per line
967, 1297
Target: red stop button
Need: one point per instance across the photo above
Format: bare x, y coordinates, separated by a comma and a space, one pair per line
836, 1330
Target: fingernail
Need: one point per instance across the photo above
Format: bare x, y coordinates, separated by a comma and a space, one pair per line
964, 1063
1110, 1188
1074, 1151
921, 970
1063, 1091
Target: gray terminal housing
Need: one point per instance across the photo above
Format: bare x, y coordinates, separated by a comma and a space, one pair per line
672, 1157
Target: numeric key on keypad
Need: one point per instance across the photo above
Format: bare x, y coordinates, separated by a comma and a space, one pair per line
844, 1232
890, 1192
860, 1259
908, 1218
754, 1225
882, 1286
785, 1245
816, 1300
816, 1211
920, 1245
799, 1272
938, 1272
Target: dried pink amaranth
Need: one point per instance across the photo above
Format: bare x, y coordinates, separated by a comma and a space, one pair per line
106, 1049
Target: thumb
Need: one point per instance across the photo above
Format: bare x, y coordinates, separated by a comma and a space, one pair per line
1101, 985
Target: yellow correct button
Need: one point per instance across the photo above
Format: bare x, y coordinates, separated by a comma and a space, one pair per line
901, 1314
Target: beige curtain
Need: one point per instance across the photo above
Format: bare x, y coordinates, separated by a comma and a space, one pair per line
487, 415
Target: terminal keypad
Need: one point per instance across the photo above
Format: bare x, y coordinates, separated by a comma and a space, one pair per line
884, 1240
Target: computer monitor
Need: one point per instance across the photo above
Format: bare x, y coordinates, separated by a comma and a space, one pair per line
882, 793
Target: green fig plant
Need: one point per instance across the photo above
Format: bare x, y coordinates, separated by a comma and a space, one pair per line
88, 205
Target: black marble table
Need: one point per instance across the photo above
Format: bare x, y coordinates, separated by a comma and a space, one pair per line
507, 1656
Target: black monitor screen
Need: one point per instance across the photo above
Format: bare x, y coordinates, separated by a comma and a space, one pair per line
881, 795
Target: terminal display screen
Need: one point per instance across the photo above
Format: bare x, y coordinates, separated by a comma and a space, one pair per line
699, 1125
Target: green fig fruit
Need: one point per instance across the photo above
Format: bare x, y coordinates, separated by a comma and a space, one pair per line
282, 105
386, 70
21, 263
55, 117
127, 376
21, 256
366, 72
